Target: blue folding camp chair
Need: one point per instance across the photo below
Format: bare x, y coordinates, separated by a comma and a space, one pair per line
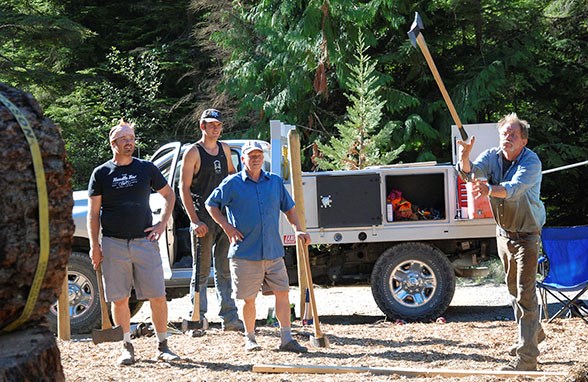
565, 257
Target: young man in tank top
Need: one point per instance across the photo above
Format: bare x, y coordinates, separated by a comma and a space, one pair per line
205, 164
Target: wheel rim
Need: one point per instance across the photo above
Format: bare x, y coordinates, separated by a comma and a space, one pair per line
412, 283
80, 295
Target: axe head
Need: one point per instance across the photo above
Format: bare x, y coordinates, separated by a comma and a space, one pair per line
113, 334
415, 29
191, 325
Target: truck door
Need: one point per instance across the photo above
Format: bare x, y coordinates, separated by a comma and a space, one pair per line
167, 160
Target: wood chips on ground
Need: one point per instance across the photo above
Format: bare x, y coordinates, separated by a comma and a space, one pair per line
219, 356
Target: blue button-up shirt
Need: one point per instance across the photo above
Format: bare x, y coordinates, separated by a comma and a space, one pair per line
522, 209
254, 209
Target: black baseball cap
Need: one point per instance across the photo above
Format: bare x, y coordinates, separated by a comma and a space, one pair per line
211, 115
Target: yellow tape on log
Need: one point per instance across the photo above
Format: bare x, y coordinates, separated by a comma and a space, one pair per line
43, 214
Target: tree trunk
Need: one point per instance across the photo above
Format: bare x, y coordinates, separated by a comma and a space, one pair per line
30, 355
20, 241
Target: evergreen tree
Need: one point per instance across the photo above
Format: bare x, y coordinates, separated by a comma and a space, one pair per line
359, 143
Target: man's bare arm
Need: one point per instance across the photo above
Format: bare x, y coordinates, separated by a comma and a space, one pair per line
158, 228
93, 223
232, 233
190, 166
292, 217
230, 165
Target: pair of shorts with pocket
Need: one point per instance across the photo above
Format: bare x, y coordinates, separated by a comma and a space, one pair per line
251, 275
131, 262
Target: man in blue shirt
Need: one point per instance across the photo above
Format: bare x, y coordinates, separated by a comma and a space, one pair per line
253, 200
513, 182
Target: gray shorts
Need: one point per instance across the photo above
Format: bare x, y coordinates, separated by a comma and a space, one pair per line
249, 276
131, 262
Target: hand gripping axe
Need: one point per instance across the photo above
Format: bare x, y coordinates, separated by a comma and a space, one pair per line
417, 38
108, 333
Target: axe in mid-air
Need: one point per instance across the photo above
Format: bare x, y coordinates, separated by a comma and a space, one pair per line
416, 38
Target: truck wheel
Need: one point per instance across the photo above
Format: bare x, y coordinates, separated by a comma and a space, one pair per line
84, 305
413, 282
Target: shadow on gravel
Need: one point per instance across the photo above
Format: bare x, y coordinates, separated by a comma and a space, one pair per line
453, 314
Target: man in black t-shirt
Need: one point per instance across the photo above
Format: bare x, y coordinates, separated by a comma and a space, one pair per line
205, 164
128, 253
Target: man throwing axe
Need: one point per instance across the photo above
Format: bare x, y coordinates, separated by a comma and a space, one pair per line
513, 182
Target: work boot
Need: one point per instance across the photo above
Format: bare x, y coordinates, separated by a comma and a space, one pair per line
293, 347
164, 354
127, 357
518, 365
540, 338
233, 326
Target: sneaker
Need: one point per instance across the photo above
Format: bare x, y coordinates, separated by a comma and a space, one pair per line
513, 349
293, 347
233, 326
518, 365
164, 354
127, 356
251, 345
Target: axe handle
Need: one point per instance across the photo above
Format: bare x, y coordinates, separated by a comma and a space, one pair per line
315, 318
106, 324
63, 323
196, 308
298, 195
423, 45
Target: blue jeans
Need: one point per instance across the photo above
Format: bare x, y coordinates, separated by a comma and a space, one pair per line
222, 273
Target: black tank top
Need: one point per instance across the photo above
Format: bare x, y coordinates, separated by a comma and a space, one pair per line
213, 169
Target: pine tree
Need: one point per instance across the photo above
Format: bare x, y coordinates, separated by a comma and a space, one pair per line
361, 141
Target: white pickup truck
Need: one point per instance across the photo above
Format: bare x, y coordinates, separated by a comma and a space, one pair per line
411, 262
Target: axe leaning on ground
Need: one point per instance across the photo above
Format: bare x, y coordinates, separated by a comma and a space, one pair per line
417, 38
195, 324
318, 340
108, 333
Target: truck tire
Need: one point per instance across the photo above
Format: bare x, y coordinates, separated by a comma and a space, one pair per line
413, 282
84, 305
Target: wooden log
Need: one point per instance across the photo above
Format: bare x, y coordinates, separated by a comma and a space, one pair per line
29, 228
30, 355
19, 210
408, 372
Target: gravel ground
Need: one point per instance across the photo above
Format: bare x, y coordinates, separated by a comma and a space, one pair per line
477, 332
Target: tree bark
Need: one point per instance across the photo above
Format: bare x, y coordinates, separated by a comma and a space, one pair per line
30, 355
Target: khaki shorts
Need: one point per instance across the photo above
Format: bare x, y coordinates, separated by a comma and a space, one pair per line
249, 276
131, 262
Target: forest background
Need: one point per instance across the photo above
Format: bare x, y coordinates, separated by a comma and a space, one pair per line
159, 63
